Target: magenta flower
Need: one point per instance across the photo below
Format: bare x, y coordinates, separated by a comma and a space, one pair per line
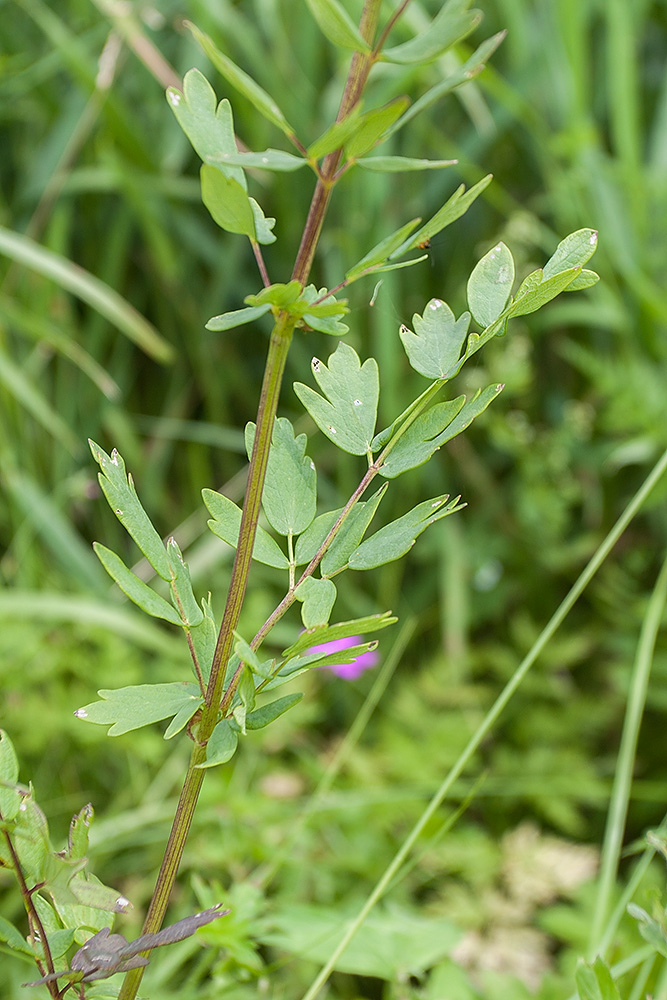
348, 671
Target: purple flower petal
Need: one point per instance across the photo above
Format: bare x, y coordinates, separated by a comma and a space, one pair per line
348, 671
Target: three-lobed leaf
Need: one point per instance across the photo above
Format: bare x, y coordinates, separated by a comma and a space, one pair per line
129, 708
434, 349
348, 410
226, 524
318, 598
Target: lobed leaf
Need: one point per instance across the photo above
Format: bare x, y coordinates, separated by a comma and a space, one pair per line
134, 588
226, 524
347, 416
336, 24
453, 209
289, 497
244, 83
351, 533
453, 22
398, 537
434, 349
118, 488
210, 129
140, 705
318, 598
490, 285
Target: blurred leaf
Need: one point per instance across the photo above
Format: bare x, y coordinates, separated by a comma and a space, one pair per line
204, 637
140, 705
31, 839
10, 798
434, 349
118, 487
392, 944
247, 654
227, 523
490, 285
453, 22
13, 938
26, 393
401, 164
336, 24
320, 658
89, 289
398, 537
227, 202
341, 630
257, 96
372, 127
134, 588
270, 159
595, 982
230, 320
186, 603
245, 693
222, 745
650, 929
267, 714
318, 598
348, 415
289, 497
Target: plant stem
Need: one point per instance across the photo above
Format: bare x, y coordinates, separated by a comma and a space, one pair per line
275, 366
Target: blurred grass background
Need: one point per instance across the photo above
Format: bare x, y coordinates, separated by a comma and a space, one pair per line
571, 118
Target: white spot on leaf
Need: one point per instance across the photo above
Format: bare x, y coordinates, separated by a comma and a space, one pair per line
81, 713
332, 430
357, 402
593, 239
174, 98
316, 364
123, 903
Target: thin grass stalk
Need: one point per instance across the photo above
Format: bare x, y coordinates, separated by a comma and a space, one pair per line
621, 789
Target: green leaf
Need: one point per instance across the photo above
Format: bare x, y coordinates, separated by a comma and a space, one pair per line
585, 280
350, 535
245, 84
10, 798
247, 654
423, 437
263, 716
227, 202
336, 135
31, 839
434, 349
140, 705
539, 295
309, 542
281, 295
574, 251
462, 74
79, 832
318, 597
490, 285
245, 692
13, 938
347, 416
118, 488
450, 25
341, 630
90, 892
373, 126
289, 497
204, 637
138, 592
185, 601
230, 320
269, 159
453, 209
401, 164
226, 524
649, 928
322, 312
263, 225
381, 251
209, 129
336, 24
595, 982
222, 745
398, 537
320, 658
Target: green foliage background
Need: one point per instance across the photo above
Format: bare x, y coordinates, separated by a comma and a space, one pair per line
571, 118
